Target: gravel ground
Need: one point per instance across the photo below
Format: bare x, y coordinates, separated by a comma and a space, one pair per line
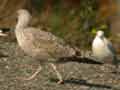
79, 74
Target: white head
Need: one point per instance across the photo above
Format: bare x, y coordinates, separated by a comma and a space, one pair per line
24, 18
100, 33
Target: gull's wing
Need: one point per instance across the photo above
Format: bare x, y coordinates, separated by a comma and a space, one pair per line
110, 46
113, 52
49, 42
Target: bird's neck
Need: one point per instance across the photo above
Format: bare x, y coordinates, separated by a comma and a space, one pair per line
100, 37
22, 23
20, 27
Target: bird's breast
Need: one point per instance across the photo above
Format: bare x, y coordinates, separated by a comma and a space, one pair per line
100, 49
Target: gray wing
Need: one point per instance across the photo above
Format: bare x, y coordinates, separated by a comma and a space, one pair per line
110, 46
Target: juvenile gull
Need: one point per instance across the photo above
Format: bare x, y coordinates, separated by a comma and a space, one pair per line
103, 50
40, 44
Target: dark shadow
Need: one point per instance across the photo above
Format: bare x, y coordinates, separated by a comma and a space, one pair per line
78, 60
3, 55
4, 30
116, 72
83, 82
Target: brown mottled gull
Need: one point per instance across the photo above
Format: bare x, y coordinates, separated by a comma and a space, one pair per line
40, 44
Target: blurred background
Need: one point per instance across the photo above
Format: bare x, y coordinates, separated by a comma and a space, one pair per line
74, 20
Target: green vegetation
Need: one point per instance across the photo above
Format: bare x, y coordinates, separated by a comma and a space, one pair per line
75, 23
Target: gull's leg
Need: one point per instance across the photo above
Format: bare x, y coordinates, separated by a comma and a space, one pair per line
116, 63
34, 74
58, 74
116, 68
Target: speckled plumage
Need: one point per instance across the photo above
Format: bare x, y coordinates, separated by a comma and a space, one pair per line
39, 44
